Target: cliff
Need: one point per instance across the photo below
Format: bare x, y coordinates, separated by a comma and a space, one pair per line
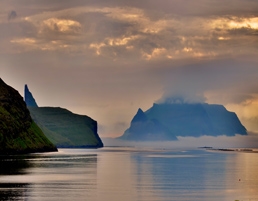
66, 129
18, 132
194, 120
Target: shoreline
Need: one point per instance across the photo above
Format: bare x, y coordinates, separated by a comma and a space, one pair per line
242, 150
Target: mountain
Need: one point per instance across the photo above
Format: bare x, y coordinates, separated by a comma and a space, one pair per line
28, 97
146, 129
66, 129
18, 132
182, 119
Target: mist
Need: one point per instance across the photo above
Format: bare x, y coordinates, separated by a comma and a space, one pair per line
238, 141
208, 81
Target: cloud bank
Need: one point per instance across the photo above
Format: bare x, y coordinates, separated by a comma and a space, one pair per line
108, 58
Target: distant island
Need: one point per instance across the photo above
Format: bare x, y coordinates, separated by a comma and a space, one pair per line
168, 121
19, 134
64, 128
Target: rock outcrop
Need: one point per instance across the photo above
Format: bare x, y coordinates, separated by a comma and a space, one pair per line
18, 132
173, 120
28, 97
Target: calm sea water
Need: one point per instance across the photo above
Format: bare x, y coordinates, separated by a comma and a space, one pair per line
130, 174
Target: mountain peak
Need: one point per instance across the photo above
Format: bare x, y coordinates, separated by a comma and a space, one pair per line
140, 116
29, 99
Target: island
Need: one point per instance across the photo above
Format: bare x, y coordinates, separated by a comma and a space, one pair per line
167, 121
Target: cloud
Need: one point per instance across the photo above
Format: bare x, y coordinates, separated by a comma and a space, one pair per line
209, 80
126, 55
64, 26
114, 32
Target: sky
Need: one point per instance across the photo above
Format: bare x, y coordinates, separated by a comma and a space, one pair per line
107, 58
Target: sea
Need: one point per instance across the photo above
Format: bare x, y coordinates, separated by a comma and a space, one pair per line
131, 174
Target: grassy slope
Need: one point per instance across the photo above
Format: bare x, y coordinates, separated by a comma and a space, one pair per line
66, 129
18, 133
15, 138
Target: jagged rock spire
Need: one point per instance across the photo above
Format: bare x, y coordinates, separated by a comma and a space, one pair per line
29, 100
140, 116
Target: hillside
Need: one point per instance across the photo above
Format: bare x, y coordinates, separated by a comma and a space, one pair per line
18, 132
66, 129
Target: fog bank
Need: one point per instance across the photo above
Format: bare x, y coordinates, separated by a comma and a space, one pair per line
238, 141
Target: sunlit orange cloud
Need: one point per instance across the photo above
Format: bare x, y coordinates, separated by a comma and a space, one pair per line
235, 23
30, 44
246, 111
157, 52
61, 25
251, 23
193, 35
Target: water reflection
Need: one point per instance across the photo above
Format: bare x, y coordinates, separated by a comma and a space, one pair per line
176, 175
114, 174
130, 174
13, 165
242, 176
198, 175
13, 191
48, 176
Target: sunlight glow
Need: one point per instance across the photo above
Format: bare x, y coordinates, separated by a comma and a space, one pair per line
97, 47
109, 42
247, 112
62, 25
251, 23
155, 53
223, 38
120, 41
187, 49
235, 23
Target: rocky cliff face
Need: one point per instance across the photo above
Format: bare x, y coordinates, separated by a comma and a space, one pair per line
18, 132
193, 120
28, 97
